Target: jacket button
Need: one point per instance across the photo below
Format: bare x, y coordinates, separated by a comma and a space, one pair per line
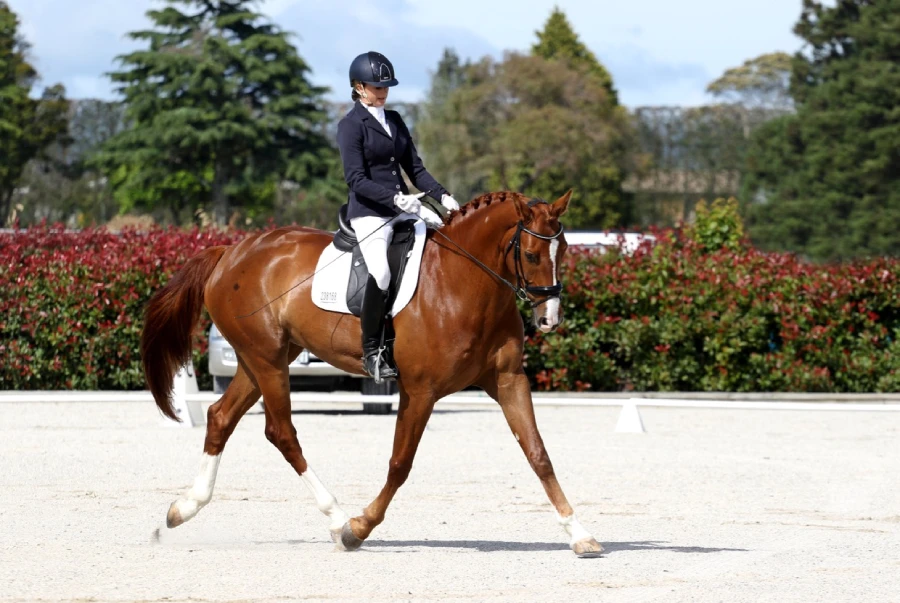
398, 186
394, 172
392, 159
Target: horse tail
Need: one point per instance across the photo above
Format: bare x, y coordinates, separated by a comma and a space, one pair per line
169, 321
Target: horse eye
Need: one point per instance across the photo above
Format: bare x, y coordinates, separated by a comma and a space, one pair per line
532, 259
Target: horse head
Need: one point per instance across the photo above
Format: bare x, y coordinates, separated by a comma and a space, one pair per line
534, 254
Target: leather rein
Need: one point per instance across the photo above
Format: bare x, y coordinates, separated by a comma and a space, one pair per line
531, 294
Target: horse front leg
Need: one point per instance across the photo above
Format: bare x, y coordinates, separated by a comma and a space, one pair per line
412, 416
513, 392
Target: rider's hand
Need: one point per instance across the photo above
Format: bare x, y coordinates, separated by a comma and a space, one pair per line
449, 202
430, 217
408, 203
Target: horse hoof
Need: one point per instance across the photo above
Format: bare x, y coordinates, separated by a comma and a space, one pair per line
587, 548
173, 517
349, 541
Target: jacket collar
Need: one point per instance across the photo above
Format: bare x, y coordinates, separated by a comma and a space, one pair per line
363, 114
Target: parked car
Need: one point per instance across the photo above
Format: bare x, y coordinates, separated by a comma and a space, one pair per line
628, 242
307, 372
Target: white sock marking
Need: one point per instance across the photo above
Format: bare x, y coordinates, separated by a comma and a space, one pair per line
325, 500
201, 492
573, 528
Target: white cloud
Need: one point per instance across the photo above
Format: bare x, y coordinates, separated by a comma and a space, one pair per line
659, 51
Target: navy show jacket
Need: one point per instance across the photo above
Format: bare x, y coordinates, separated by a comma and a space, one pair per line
372, 161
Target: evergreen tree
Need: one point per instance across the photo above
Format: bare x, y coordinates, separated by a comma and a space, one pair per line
220, 107
558, 41
27, 126
826, 181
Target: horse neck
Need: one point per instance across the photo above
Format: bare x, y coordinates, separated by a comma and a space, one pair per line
484, 234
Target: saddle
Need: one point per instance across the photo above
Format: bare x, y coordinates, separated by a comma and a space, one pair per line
399, 252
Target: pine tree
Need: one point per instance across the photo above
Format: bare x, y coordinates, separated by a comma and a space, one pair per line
220, 107
558, 41
826, 181
27, 126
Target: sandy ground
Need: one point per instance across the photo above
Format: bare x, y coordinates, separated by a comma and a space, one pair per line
709, 505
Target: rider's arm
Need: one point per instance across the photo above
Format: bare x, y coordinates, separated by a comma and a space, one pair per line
350, 143
415, 169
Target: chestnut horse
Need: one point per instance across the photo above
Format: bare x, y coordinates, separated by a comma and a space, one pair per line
461, 328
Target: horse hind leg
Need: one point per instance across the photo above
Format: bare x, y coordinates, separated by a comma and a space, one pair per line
280, 431
222, 418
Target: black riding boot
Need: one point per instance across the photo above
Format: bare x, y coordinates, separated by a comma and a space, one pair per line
377, 359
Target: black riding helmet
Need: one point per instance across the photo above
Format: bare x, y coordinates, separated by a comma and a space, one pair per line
373, 68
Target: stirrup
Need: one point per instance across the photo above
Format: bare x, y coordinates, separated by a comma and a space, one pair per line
381, 369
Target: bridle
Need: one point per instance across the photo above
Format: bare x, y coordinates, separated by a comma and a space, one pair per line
530, 294
539, 295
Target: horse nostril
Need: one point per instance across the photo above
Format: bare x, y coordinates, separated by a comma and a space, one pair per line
544, 321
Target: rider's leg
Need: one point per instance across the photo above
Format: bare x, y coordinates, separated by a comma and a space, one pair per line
374, 234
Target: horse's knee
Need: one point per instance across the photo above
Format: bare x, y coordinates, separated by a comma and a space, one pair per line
399, 470
540, 462
284, 438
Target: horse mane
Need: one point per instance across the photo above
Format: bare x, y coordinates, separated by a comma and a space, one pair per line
465, 212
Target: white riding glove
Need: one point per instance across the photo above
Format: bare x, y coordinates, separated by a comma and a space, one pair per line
449, 202
430, 217
408, 203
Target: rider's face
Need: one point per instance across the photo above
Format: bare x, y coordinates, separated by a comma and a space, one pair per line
370, 95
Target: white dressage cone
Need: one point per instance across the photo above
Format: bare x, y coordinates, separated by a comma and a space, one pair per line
184, 387
630, 419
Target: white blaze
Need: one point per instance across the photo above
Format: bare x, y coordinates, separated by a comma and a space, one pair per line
551, 308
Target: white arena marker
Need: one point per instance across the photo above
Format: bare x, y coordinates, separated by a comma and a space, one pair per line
630, 419
184, 393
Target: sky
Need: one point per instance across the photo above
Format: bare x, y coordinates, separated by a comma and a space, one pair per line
660, 52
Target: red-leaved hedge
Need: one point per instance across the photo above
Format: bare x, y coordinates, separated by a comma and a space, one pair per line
71, 303
676, 317
671, 317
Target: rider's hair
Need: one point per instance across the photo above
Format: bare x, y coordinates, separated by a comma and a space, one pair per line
354, 95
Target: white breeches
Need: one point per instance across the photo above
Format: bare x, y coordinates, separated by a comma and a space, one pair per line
374, 241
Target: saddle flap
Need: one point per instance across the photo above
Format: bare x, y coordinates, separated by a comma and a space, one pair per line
334, 278
403, 239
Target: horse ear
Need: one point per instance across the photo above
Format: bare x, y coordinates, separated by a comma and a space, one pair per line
560, 206
523, 210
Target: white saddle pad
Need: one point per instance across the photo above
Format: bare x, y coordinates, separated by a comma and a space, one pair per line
329, 286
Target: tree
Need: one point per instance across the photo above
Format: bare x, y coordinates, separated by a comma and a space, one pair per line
559, 42
440, 134
826, 181
528, 125
760, 83
27, 126
60, 185
221, 110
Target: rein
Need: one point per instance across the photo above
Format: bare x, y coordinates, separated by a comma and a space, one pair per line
524, 293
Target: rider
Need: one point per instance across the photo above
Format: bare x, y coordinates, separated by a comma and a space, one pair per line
375, 144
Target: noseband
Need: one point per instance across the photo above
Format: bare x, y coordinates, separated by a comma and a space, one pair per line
526, 292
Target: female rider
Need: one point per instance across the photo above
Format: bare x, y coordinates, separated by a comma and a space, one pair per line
375, 144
